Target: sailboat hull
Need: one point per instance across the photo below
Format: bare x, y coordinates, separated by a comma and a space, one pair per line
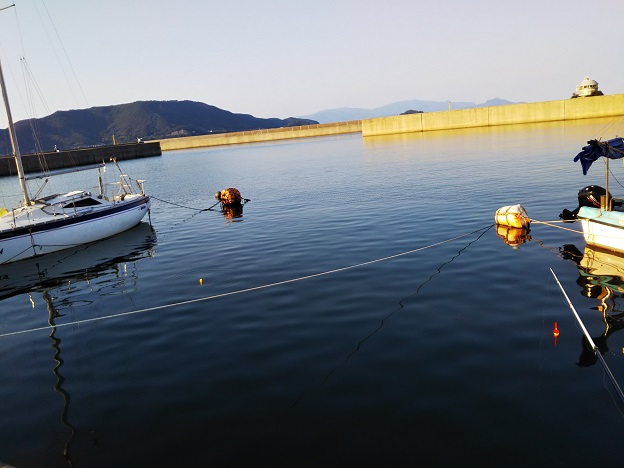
40, 238
61, 221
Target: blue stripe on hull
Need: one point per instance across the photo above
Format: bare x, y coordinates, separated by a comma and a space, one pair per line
57, 224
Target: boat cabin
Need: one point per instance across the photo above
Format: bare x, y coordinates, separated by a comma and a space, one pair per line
77, 198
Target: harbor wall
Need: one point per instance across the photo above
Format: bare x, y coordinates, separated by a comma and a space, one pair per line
255, 136
80, 157
512, 114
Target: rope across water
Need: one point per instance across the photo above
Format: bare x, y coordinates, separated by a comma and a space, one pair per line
242, 291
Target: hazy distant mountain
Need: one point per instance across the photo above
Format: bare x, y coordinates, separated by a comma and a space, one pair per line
396, 108
148, 120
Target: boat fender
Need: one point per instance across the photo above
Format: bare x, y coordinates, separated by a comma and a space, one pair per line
229, 196
513, 216
3, 211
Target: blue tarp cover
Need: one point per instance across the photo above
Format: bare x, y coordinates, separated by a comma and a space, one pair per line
612, 149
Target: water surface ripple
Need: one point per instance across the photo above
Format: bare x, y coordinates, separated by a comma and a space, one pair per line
443, 356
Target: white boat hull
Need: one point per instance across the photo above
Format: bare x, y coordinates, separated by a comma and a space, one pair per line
68, 232
603, 228
77, 264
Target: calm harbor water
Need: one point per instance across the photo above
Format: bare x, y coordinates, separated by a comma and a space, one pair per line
363, 311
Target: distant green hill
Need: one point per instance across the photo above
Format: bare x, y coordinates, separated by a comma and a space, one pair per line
148, 120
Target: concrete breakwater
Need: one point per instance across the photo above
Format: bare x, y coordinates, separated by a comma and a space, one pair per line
255, 136
80, 157
549, 111
512, 114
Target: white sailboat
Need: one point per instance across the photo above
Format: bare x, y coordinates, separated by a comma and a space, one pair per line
65, 220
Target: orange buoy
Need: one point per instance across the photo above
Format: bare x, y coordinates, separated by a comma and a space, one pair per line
513, 215
556, 333
229, 196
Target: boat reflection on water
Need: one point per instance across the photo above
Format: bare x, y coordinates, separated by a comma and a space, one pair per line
601, 277
53, 313
82, 263
50, 273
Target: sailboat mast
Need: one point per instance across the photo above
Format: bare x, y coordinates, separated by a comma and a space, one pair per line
14, 144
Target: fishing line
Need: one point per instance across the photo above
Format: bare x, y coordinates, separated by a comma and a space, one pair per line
242, 291
592, 345
541, 341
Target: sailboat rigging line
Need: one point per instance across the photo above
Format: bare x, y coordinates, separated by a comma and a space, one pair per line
71, 67
612, 175
254, 288
589, 340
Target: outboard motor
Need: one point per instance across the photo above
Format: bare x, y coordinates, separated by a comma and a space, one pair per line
590, 196
587, 196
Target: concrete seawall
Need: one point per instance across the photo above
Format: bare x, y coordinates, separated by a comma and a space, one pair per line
255, 136
80, 157
568, 109
549, 111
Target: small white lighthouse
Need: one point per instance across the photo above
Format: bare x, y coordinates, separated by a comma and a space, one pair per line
588, 87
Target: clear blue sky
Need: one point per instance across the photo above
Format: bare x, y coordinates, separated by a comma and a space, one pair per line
277, 58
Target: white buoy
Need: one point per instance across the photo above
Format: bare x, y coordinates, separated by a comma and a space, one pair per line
513, 215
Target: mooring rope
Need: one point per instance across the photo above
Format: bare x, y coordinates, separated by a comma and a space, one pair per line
246, 290
552, 224
183, 206
245, 200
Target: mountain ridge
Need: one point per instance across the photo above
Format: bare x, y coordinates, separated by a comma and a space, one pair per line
343, 114
147, 120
